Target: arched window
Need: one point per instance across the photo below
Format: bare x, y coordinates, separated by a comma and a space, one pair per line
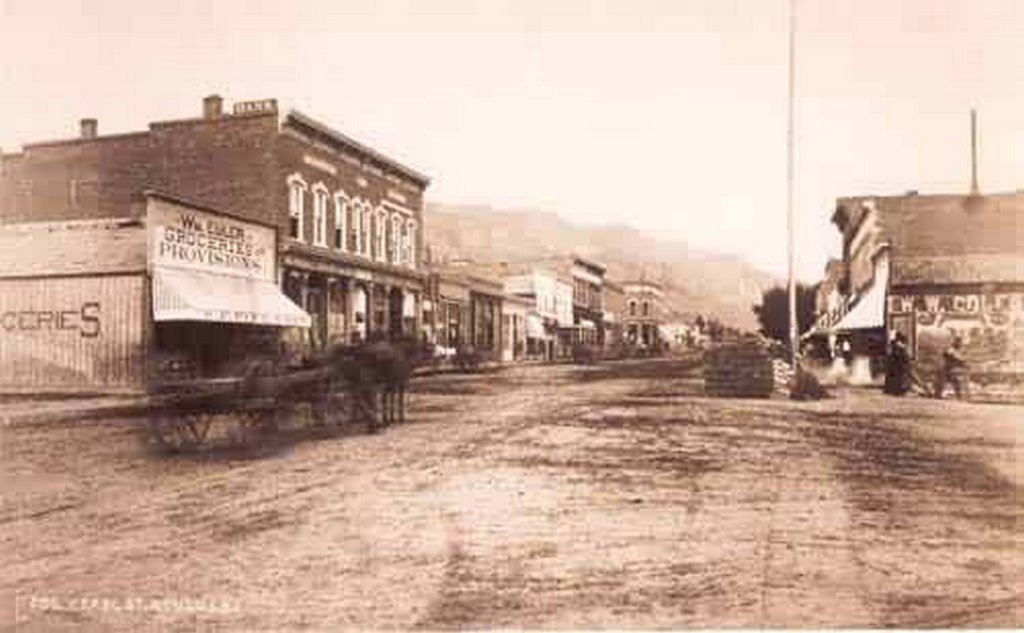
340, 221
296, 207
320, 214
357, 226
395, 243
645, 308
364, 244
410, 243
632, 307
381, 232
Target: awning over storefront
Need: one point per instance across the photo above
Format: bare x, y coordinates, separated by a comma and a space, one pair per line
587, 324
189, 295
868, 313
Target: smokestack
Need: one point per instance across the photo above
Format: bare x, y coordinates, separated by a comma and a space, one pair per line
974, 153
87, 128
213, 107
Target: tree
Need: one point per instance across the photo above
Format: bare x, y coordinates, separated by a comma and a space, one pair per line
773, 313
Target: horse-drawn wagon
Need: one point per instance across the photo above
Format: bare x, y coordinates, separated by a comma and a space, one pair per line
362, 384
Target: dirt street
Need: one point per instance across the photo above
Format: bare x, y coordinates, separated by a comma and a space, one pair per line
609, 496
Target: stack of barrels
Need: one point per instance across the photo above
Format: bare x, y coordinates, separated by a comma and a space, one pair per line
739, 368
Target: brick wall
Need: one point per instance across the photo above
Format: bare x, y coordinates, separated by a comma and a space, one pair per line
75, 180
226, 163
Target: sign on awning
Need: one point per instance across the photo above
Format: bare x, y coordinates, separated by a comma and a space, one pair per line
207, 266
189, 295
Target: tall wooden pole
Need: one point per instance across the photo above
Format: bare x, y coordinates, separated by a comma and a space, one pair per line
793, 330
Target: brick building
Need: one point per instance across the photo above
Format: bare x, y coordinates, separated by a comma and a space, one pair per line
349, 218
931, 267
643, 313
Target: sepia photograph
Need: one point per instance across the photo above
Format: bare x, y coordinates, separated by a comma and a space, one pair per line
485, 315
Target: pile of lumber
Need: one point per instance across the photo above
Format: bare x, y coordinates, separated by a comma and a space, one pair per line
740, 368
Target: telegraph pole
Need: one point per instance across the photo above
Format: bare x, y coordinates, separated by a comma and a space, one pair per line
793, 329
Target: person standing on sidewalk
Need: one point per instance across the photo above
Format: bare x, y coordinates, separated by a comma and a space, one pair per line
954, 370
897, 367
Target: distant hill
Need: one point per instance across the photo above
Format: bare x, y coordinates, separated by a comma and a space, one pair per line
696, 282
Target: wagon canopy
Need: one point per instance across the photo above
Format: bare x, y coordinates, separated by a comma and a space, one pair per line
191, 295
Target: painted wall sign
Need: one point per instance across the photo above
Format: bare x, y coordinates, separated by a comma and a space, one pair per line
183, 237
85, 320
991, 326
956, 303
59, 332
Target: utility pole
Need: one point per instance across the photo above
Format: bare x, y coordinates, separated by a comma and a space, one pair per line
974, 153
793, 329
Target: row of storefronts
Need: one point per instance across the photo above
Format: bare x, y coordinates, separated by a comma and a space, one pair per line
204, 241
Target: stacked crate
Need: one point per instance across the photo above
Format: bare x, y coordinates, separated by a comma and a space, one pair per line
740, 368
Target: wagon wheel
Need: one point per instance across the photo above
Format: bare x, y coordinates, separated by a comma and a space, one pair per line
179, 432
337, 403
250, 425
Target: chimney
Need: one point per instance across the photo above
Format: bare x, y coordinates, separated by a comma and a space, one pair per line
87, 128
974, 153
213, 107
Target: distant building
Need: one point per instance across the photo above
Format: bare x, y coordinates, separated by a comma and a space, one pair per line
644, 311
465, 309
349, 218
931, 267
567, 295
614, 301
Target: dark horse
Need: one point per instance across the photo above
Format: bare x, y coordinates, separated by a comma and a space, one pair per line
377, 366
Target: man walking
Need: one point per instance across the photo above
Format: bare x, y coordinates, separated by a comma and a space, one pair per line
954, 370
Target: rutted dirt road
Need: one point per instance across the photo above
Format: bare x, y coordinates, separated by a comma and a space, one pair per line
610, 496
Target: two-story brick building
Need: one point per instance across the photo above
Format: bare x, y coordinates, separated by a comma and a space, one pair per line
349, 218
643, 314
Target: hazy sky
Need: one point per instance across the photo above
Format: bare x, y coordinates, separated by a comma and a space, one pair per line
666, 115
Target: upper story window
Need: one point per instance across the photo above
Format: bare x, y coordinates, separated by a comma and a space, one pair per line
645, 308
320, 214
357, 226
340, 221
381, 233
365, 242
296, 207
395, 243
410, 243
632, 307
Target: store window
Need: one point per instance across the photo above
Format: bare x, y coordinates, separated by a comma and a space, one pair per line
296, 206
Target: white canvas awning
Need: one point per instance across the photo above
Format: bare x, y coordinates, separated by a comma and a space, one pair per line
181, 294
869, 312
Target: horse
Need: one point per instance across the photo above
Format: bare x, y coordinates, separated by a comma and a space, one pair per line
378, 365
